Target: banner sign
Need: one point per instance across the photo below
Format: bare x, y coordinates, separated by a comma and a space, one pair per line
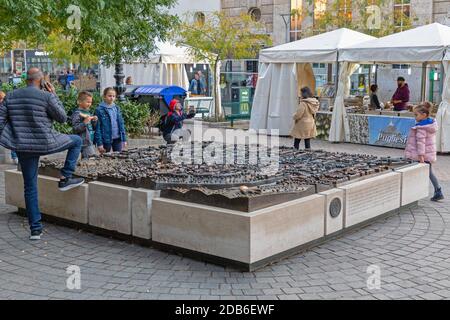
389, 131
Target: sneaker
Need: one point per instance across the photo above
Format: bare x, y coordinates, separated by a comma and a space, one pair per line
36, 235
438, 195
69, 183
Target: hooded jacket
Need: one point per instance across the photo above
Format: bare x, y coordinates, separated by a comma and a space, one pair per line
26, 122
422, 142
402, 93
304, 119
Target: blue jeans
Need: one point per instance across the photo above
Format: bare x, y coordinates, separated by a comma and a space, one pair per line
116, 145
29, 163
433, 179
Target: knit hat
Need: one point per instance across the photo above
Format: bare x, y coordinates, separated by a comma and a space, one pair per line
172, 105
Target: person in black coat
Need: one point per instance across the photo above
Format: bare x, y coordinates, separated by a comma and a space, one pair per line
26, 127
374, 102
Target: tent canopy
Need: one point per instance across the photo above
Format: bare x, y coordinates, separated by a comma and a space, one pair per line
320, 48
170, 53
165, 66
167, 92
422, 44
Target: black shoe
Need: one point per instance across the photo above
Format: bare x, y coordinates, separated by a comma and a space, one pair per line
438, 195
69, 183
36, 235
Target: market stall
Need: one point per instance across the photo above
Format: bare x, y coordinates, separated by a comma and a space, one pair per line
427, 45
286, 68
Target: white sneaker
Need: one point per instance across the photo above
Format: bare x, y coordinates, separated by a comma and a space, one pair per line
35, 235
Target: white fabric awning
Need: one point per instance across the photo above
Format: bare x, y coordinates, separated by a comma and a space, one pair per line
172, 54
165, 66
422, 44
447, 55
320, 48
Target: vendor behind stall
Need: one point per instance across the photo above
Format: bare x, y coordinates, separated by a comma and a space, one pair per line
374, 102
400, 98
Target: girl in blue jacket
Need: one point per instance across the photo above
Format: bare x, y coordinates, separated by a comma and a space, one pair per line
110, 132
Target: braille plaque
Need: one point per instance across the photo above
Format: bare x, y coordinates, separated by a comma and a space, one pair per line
335, 207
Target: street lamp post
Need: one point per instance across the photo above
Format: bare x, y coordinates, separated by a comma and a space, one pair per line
287, 21
119, 76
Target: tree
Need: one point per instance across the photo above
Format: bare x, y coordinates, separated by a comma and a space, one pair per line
60, 50
220, 37
111, 30
26, 20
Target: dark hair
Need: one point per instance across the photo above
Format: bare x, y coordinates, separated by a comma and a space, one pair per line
306, 92
83, 95
400, 79
105, 92
373, 87
424, 108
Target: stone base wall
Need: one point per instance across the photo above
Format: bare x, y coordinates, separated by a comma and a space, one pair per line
249, 240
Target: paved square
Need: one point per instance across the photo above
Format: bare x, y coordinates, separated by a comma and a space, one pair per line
411, 250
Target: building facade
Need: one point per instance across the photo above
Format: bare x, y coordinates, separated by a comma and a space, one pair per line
196, 9
441, 11
283, 26
290, 20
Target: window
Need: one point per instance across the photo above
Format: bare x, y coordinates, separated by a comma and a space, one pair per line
401, 66
296, 19
345, 10
402, 14
255, 13
199, 17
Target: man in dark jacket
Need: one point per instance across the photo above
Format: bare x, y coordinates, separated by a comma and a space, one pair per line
401, 96
26, 127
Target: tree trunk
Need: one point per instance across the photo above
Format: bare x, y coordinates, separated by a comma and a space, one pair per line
216, 91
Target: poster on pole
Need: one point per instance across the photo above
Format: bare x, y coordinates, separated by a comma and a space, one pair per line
389, 131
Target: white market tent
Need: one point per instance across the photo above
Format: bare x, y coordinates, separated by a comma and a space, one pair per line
429, 43
165, 67
286, 68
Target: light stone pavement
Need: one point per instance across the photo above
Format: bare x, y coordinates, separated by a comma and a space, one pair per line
411, 248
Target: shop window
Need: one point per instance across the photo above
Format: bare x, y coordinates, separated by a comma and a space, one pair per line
320, 7
402, 14
237, 77
255, 14
345, 10
401, 66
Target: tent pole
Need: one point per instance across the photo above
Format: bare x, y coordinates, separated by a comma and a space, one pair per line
330, 73
376, 73
424, 81
337, 74
441, 81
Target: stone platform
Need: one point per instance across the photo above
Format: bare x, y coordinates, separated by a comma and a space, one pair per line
248, 240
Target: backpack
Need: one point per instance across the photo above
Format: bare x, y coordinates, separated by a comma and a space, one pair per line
163, 123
